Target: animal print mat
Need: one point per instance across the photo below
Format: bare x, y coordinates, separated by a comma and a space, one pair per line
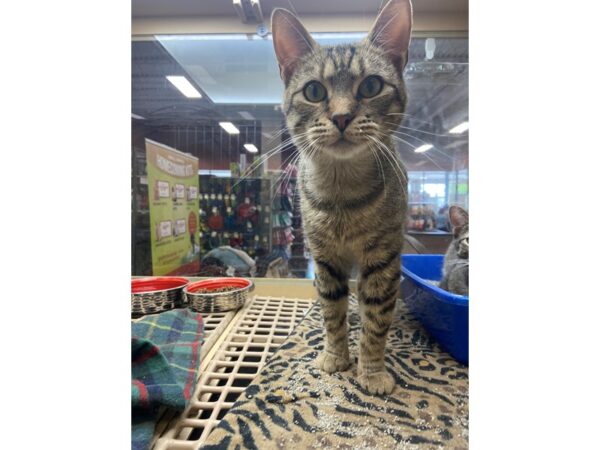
291, 404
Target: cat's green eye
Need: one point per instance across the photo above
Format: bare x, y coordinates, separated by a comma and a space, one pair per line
315, 92
370, 86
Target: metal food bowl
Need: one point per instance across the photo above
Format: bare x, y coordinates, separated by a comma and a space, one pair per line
208, 302
156, 294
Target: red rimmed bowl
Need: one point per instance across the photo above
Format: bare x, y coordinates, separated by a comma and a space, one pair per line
217, 294
156, 294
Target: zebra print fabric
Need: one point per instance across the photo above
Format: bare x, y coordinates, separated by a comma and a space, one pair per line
292, 404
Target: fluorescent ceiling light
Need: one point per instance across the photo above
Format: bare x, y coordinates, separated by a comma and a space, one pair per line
216, 173
423, 148
460, 128
135, 116
251, 148
184, 86
246, 115
229, 127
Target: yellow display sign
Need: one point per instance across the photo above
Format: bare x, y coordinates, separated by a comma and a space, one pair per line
173, 203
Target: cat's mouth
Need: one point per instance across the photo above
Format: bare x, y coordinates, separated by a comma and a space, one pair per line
345, 140
342, 147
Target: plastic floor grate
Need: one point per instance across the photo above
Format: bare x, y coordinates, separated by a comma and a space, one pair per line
214, 326
259, 328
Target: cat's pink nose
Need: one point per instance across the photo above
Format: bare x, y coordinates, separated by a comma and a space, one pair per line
342, 120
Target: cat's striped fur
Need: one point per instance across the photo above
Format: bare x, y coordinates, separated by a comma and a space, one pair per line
456, 259
352, 184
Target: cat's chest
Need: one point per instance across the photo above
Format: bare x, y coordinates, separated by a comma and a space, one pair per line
334, 222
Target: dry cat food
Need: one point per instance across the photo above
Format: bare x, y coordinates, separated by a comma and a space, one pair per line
217, 294
214, 291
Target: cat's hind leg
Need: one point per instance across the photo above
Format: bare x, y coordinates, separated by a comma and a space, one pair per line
332, 287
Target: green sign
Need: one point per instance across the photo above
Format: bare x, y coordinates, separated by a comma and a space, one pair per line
173, 202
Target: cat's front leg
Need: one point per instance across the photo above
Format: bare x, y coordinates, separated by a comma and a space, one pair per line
332, 287
378, 289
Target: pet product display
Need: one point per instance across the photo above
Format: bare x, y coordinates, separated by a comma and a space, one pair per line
234, 212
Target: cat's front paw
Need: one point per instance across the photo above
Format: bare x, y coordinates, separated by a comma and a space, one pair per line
330, 363
377, 383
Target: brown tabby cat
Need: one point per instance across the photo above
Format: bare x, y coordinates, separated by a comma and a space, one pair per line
341, 104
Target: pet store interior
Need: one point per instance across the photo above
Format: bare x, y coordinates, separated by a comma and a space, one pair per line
226, 322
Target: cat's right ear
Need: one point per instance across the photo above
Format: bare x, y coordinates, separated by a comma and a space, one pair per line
291, 41
458, 217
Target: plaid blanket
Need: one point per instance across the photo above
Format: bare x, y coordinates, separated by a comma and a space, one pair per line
165, 355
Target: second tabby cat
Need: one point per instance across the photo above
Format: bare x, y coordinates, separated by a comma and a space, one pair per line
456, 261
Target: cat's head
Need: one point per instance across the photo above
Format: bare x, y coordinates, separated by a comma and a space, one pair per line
459, 218
339, 100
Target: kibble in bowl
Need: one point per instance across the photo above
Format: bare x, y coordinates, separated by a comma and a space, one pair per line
217, 294
214, 291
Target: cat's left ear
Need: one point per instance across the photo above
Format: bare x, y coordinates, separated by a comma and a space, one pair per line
391, 31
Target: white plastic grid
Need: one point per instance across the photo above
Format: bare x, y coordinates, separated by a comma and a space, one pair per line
214, 326
259, 328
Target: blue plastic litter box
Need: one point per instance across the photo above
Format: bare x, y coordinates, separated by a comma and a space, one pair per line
444, 315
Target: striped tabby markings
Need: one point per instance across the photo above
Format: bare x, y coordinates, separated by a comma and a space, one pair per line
354, 204
332, 287
378, 289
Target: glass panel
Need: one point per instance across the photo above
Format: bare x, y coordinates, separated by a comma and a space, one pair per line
237, 77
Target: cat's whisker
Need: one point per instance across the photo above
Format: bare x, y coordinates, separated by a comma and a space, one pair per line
411, 117
433, 161
279, 147
378, 161
256, 164
392, 153
296, 153
392, 159
435, 149
294, 156
279, 182
411, 136
404, 141
306, 148
276, 134
404, 114
401, 178
425, 142
399, 139
455, 136
288, 177
270, 152
394, 134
